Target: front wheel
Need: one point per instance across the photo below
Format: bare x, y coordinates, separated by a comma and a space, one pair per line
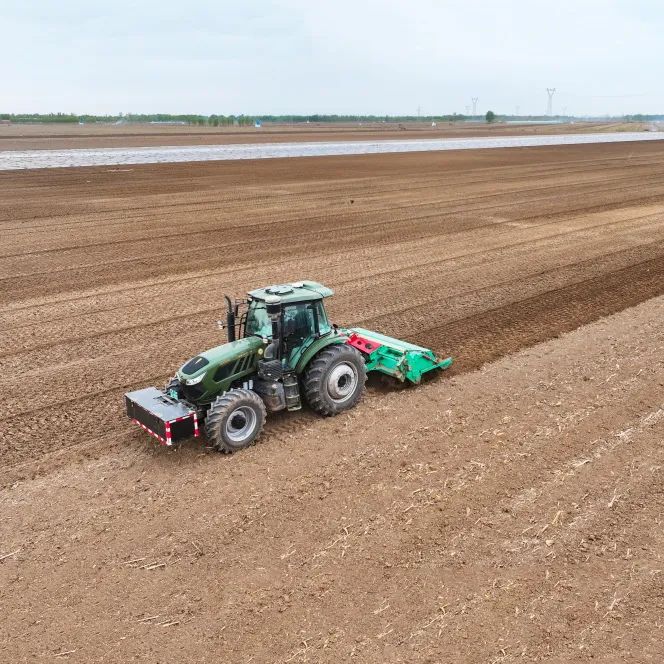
334, 380
235, 420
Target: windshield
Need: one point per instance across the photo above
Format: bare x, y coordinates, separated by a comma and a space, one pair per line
258, 322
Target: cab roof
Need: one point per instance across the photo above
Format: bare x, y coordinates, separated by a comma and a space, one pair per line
298, 291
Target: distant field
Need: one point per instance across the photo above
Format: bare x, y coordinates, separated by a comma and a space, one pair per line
63, 136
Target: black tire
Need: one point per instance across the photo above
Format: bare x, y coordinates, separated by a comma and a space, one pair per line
235, 420
334, 380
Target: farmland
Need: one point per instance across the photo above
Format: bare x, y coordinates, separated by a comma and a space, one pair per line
508, 510
68, 136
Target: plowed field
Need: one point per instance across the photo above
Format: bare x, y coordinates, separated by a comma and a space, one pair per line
507, 514
64, 136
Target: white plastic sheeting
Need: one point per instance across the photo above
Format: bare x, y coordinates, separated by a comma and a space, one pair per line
12, 160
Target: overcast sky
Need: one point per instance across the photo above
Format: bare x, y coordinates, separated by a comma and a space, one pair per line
331, 56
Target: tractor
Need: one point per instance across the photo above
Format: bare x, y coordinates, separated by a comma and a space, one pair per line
281, 350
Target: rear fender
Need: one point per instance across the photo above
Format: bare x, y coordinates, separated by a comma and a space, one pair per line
316, 347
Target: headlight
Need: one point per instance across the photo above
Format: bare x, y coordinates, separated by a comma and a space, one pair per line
195, 381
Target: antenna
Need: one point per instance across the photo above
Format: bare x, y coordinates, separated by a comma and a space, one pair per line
474, 100
549, 106
419, 112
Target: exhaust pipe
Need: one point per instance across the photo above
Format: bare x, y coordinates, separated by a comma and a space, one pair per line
230, 319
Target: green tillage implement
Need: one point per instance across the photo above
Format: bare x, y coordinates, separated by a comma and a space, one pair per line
403, 360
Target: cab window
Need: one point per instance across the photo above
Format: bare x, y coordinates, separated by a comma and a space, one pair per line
323, 324
258, 322
298, 321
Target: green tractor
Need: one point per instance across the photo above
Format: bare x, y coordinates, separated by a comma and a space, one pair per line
281, 350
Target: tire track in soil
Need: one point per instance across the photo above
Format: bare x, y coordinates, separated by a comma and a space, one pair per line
211, 229
54, 353
476, 339
380, 196
435, 269
487, 336
141, 260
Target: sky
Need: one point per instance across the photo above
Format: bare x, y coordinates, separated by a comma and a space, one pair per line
331, 56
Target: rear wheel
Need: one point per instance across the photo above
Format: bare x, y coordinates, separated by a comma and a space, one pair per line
334, 380
235, 420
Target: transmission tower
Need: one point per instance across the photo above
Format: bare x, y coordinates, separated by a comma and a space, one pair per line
549, 106
474, 100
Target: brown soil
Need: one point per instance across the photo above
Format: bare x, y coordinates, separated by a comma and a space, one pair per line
511, 513
58, 137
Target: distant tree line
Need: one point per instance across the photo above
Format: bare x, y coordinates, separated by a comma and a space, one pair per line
72, 118
219, 120
39, 117
643, 118
245, 120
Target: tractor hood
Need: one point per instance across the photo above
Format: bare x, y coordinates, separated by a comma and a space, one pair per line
217, 356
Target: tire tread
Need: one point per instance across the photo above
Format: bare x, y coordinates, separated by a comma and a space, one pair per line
318, 367
219, 409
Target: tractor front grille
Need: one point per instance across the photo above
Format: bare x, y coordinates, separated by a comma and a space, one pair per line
191, 392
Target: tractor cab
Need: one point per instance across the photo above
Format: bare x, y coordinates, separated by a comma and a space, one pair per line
290, 316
